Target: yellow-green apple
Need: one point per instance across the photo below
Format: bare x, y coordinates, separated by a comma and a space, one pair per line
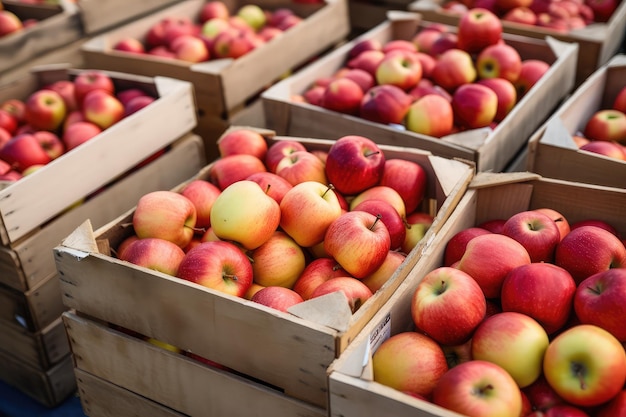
607, 125
355, 291
244, 213
454, 68
354, 163
89, 80
531, 72
189, 48
537, 232
130, 45
50, 142
499, 60
253, 15
362, 45
363, 78
615, 407
385, 104
78, 133
219, 265
477, 29
9, 23
506, 93
489, 257
45, 110
400, 68
596, 223
430, 115
474, 105
408, 178
380, 192
213, 10
202, 194
409, 362
542, 291
232, 168
279, 298
167, 215
389, 216
23, 151
458, 354
541, 395
378, 278
585, 365
367, 60
521, 15
316, 272
358, 241
280, 149
417, 224
278, 262
343, 95
588, 250
211, 28
301, 166
514, 341
601, 300
307, 210
65, 88
102, 108
16, 108
274, 185
154, 253
455, 248
479, 388
609, 149
619, 103
448, 305
242, 141
559, 219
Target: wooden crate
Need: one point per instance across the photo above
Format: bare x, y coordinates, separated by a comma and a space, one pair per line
365, 14
353, 393
551, 150
290, 352
489, 149
62, 20
30, 260
64, 181
597, 42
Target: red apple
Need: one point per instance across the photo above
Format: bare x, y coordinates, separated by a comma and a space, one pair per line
316, 272
233, 44
102, 108
242, 141
343, 95
454, 68
400, 68
378, 278
137, 103
615, 407
408, 178
507, 95
78, 133
602, 9
619, 103
65, 88
390, 218
455, 248
430, 115
385, 104
367, 60
51, 143
45, 110
278, 262
380, 192
274, 186
301, 166
541, 395
16, 108
606, 125
363, 78
364, 45
23, 151
537, 232
279, 298
355, 291
130, 45
521, 15
154, 253
596, 223
202, 194
8, 122
230, 169
474, 105
89, 80
531, 72
477, 29
499, 60
190, 48
213, 10
559, 219
609, 149
278, 150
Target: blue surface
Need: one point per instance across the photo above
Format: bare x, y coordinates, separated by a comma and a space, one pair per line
14, 403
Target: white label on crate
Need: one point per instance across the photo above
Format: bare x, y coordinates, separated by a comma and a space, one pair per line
381, 333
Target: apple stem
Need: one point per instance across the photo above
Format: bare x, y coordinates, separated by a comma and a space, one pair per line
442, 289
595, 290
267, 189
372, 153
579, 371
336, 267
330, 187
378, 217
230, 276
483, 390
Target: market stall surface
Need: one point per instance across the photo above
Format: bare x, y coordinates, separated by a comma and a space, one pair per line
14, 403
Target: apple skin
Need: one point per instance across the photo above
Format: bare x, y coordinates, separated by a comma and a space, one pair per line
280, 149
45, 110
537, 232
232, 168
363, 78
448, 305
390, 218
478, 388
615, 407
213, 10
409, 362
531, 72
166, 215
380, 192
23, 151
602, 9
417, 224
559, 219
51, 143
9, 23
542, 291
458, 354
279, 298
606, 148
521, 15
408, 178
455, 248
274, 186
474, 105
385, 104
601, 300
89, 80
102, 108
454, 68
499, 60
355, 291
343, 95
278, 262
78, 133
190, 48
242, 141
493, 225
136, 104
488, 258
244, 213
130, 45
506, 93
400, 68
301, 166
541, 395
316, 272
514, 341
596, 223
202, 194
588, 250
65, 88
619, 103
154, 253
16, 108
378, 278
367, 61
364, 45
585, 365
253, 15
354, 163
219, 265
430, 115
477, 29
606, 125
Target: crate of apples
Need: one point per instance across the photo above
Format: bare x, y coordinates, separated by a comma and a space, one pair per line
332, 225
465, 92
588, 130
515, 311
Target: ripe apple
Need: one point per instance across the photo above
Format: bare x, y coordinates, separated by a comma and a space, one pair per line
278, 262
219, 265
445, 42
355, 291
253, 15
50, 142
427, 35
232, 168
389, 216
499, 60
506, 93
166, 215
455, 248
154, 253
400, 68
417, 224
278, 150
234, 43
343, 95
202, 194
521, 15
242, 141
316, 272
279, 298
78, 133
301, 166
45, 110
537, 232
409, 362
102, 108
89, 80
474, 105
363, 78
190, 48
541, 395
367, 60
448, 305
606, 148
430, 115
380, 192
379, 277
559, 219
615, 407
362, 45
458, 354
619, 103
137, 103
130, 45
23, 151
596, 223
585, 365
213, 10
354, 163
477, 29
65, 88
454, 68
16, 108
9, 23
606, 125
478, 388
385, 104
602, 9
274, 186
408, 178
493, 225
399, 44
531, 72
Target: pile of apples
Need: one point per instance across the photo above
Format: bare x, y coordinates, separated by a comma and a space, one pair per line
437, 83
605, 131
59, 117
558, 15
282, 224
10, 23
524, 318
215, 33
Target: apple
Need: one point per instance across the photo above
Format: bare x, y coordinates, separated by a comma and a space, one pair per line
136, 104
614, 407
427, 63
244, 213
606, 125
489, 257
9, 23
379, 277
493, 225
427, 35
162, 51
45, 110
190, 48
537, 232
455, 248
355, 291
51, 143
354, 163
585, 365
430, 115
474, 105
399, 44
385, 104
454, 68
417, 224
362, 45
316, 272
242, 140
279, 298
278, 150
499, 60
130, 45
367, 60
409, 362
448, 305
602, 9
363, 78
506, 5
166, 215
220, 265
458, 354
253, 15
23, 151
5, 136
314, 95
358, 241
343, 95
400, 68
102, 108
233, 44
560, 410
541, 395
521, 15
587, 250
16, 108
596, 223
278, 262
506, 93
274, 185
531, 72
478, 388
213, 10
559, 219
619, 103
89, 80
606, 148
232, 168
380, 192
78, 133
389, 216
211, 28
600, 300
202, 194
275, 16
178, 26
477, 29
301, 166
154, 253
65, 88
